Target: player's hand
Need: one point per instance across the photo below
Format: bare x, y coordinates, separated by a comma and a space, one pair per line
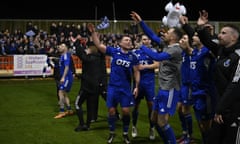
218, 118
135, 92
91, 27
73, 39
203, 17
183, 19
135, 16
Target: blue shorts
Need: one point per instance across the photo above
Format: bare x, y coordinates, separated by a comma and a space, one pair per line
166, 101
147, 91
122, 96
203, 107
186, 95
67, 85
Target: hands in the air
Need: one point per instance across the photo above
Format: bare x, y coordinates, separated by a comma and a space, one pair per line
135, 16
91, 27
203, 17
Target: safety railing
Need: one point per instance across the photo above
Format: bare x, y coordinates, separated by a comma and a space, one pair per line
7, 64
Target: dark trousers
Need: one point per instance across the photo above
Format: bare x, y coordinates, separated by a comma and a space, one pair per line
90, 99
225, 133
57, 88
95, 101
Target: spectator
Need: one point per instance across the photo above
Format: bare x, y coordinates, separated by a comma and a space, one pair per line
225, 127
3, 48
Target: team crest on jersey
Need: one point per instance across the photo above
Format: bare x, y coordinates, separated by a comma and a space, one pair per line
199, 53
227, 63
130, 57
138, 55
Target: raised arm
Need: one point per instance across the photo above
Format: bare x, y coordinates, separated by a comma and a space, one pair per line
136, 17
203, 32
154, 55
186, 26
95, 38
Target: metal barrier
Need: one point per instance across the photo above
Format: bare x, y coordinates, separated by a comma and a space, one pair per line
77, 62
7, 64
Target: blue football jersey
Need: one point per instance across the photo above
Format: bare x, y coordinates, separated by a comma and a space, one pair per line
121, 67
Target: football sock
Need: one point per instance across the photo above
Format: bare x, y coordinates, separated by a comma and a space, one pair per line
134, 117
126, 122
188, 119
168, 131
69, 108
161, 134
111, 122
150, 121
182, 121
61, 110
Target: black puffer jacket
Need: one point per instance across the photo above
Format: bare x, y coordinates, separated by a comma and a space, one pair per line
227, 66
94, 70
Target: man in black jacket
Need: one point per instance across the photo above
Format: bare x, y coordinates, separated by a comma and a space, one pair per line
93, 81
225, 127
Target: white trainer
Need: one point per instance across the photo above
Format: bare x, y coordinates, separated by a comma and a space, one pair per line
151, 134
134, 132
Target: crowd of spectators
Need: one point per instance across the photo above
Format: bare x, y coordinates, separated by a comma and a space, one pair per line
38, 41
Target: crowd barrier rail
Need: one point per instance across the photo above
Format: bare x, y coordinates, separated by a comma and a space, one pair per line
7, 65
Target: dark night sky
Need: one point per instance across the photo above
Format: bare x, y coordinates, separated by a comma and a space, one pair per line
86, 9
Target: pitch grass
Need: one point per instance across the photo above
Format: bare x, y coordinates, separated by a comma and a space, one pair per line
27, 108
